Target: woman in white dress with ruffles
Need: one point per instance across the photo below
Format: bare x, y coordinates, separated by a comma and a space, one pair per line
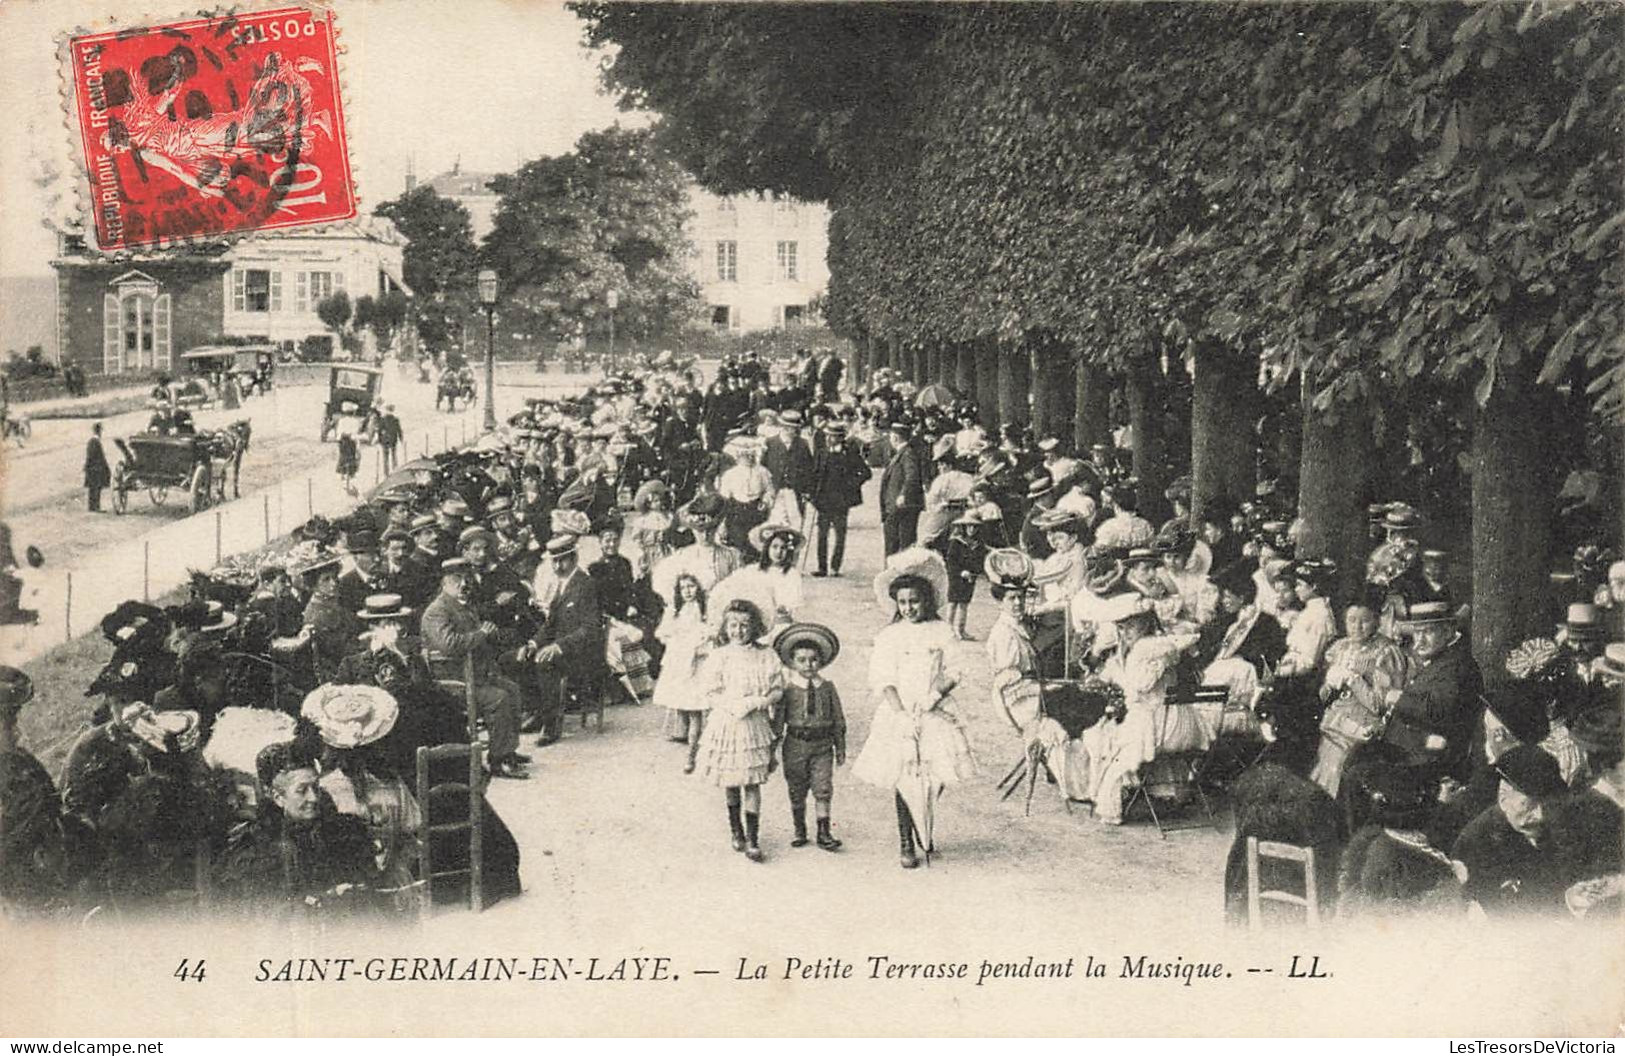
913, 669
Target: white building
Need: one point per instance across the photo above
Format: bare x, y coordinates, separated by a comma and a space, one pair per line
276, 279
760, 260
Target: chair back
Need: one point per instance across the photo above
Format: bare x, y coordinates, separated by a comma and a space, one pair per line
1259, 851
439, 801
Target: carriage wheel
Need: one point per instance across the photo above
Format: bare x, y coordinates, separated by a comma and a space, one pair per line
159, 494
200, 488
121, 499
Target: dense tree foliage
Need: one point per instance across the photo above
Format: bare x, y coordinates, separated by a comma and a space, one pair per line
1408, 216
606, 216
440, 261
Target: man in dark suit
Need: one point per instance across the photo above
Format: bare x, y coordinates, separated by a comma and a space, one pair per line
839, 473
389, 436
98, 474
902, 493
1435, 714
789, 459
451, 632
573, 637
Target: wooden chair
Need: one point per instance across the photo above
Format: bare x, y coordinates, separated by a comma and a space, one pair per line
586, 699
1257, 894
435, 799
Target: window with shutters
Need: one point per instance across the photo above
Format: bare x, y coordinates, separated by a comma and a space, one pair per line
256, 290
112, 339
314, 287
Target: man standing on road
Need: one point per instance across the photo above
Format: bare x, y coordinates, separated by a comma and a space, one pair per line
839, 473
98, 474
389, 436
902, 495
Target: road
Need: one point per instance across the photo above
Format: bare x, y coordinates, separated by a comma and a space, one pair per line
44, 500
95, 561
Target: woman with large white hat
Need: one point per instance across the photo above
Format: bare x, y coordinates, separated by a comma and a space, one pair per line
917, 745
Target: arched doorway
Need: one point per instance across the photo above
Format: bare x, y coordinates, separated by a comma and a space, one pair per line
135, 326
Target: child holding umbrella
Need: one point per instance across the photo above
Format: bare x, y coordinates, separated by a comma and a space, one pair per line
917, 745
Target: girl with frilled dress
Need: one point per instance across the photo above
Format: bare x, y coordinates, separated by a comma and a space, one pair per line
916, 745
742, 682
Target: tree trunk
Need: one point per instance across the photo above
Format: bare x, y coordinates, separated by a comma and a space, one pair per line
1052, 385
1012, 383
1091, 415
1223, 461
965, 368
1514, 501
986, 354
1333, 488
902, 359
922, 364
1059, 384
857, 369
1145, 419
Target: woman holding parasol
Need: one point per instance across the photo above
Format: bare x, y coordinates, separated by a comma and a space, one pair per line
917, 745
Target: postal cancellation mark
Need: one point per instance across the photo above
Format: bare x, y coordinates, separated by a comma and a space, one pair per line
206, 127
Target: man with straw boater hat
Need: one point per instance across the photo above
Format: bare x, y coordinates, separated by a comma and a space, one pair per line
572, 639
1433, 717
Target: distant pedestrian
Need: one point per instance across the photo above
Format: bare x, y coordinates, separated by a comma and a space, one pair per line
349, 460
389, 436
98, 474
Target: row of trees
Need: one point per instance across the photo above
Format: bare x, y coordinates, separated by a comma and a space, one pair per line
1402, 222
608, 215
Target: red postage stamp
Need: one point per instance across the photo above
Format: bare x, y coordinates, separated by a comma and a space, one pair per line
208, 127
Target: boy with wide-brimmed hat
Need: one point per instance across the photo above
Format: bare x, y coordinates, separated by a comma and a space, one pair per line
813, 726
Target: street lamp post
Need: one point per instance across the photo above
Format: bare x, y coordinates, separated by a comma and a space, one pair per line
613, 299
488, 297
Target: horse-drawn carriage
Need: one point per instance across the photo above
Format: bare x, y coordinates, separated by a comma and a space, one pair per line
352, 390
197, 463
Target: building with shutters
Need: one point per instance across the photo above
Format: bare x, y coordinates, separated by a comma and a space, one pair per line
137, 313
760, 259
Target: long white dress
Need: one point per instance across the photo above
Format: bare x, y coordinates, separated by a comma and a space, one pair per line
1118, 749
686, 636
915, 658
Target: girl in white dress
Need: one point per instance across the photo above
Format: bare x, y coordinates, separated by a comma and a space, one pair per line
914, 736
743, 682
775, 578
687, 637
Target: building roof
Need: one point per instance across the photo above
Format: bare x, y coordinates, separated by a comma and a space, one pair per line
460, 184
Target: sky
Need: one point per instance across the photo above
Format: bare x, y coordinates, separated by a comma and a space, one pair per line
491, 83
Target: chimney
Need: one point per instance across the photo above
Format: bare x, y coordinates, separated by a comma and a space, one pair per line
411, 174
